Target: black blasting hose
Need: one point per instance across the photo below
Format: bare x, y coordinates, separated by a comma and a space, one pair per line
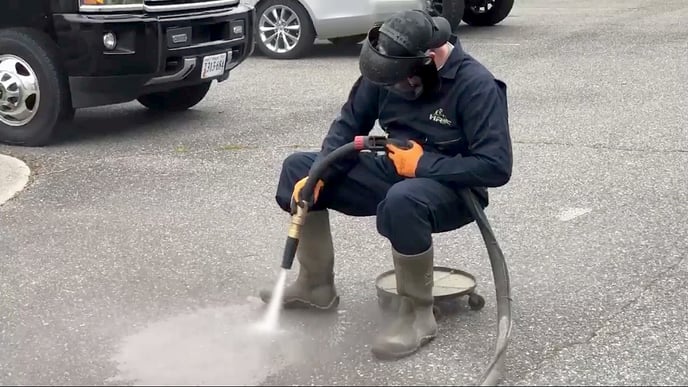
306, 200
491, 375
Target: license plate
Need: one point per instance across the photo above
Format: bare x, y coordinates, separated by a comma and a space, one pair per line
213, 65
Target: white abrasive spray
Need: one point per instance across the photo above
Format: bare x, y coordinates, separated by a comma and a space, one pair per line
271, 319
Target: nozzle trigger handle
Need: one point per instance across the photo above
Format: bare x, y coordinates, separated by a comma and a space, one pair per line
403, 144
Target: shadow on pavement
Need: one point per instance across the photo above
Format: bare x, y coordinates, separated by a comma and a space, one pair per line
322, 50
98, 124
335, 51
496, 32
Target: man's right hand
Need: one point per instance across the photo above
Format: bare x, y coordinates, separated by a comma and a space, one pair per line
296, 195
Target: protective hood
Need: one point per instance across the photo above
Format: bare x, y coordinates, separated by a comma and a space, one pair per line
385, 69
415, 32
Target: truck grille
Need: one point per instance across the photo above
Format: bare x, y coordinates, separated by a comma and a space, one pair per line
183, 5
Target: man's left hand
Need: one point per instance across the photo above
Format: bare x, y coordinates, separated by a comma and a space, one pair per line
405, 160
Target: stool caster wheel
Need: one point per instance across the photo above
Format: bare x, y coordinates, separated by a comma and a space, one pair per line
476, 301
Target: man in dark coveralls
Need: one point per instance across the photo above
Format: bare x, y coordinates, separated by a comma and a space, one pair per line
422, 87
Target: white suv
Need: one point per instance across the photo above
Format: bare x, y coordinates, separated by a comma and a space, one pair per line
287, 29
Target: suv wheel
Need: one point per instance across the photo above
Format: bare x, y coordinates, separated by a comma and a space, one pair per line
34, 92
452, 10
283, 29
178, 99
493, 12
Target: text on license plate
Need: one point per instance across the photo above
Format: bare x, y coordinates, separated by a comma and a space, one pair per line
213, 65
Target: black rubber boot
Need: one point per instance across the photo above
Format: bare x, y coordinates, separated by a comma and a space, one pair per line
314, 286
414, 325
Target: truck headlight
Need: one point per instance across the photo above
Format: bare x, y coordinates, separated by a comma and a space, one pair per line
236, 29
110, 5
110, 40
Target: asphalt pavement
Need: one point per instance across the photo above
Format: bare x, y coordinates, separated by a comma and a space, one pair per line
136, 252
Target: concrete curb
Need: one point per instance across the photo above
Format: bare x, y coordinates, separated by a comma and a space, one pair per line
14, 176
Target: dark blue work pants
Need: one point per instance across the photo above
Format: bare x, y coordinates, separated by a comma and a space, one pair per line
408, 211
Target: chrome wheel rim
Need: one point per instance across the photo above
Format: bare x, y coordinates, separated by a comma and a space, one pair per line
19, 91
279, 29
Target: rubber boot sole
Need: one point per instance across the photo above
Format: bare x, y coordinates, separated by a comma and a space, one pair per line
385, 355
299, 303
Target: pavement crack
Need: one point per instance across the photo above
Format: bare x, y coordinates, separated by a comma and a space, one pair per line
601, 146
553, 353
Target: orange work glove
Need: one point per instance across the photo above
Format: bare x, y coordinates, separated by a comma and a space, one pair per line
295, 196
405, 160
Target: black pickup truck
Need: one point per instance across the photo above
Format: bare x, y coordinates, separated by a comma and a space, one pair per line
60, 55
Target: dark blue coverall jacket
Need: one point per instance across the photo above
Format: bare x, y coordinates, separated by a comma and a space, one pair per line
464, 131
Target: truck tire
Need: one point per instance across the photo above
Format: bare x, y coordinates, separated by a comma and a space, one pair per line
452, 10
178, 99
499, 10
295, 21
34, 91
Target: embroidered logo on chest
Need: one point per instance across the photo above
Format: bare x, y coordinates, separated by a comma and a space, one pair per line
439, 117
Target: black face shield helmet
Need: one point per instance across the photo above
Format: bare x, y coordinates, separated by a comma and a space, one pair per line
413, 30
383, 69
